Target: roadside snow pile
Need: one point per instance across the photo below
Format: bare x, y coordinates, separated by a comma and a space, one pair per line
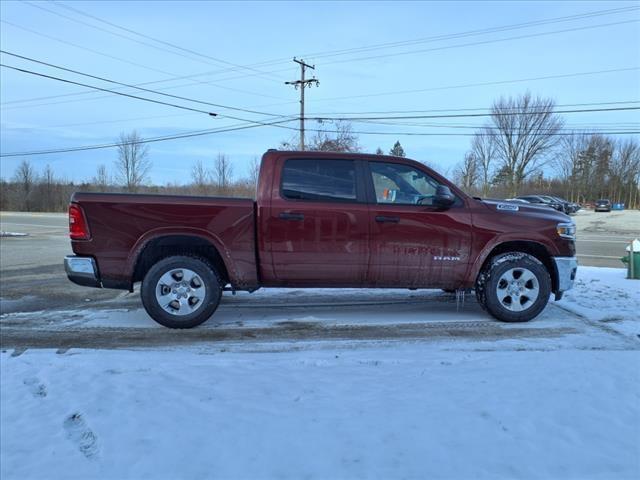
405, 410
605, 295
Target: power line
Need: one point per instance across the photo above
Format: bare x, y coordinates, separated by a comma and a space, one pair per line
133, 86
121, 35
469, 115
30, 72
113, 57
484, 42
153, 117
481, 84
468, 33
446, 87
244, 127
141, 98
620, 102
405, 117
163, 42
439, 134
428, 39
196, 133
570, 127
172, 76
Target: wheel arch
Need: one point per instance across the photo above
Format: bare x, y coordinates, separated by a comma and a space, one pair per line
165, 245
533, 248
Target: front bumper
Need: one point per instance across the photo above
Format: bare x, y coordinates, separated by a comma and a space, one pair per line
82, 271
566, 267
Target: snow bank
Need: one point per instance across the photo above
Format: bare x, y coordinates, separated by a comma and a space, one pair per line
403, 411
606, 296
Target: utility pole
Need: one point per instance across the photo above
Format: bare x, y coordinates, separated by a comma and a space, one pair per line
302, 83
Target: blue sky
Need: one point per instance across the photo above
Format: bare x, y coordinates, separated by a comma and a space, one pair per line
434, 75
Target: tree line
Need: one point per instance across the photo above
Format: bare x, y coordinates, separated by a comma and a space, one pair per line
523, 148
524, 138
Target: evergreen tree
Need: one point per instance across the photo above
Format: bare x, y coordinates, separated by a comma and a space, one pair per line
397, 150
379, 151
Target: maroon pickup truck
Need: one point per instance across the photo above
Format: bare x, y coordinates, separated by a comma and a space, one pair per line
322, 220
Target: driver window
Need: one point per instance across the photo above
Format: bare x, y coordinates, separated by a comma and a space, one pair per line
401, 184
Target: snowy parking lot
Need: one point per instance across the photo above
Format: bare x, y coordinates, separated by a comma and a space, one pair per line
328, 384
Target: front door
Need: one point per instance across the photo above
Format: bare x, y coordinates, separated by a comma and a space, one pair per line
414, 243
318, 223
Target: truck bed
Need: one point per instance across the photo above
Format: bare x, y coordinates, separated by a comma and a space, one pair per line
121, 225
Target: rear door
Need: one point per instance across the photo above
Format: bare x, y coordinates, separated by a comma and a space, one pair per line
414, 243
318, 222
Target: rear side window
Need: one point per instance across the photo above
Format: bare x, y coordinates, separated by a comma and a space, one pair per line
319, 180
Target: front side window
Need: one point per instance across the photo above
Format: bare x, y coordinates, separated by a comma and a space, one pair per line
402, 184
319, 180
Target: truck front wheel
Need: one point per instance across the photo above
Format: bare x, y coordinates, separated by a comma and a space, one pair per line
514, 287
181, 291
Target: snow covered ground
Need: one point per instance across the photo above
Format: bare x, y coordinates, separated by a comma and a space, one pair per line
558, 398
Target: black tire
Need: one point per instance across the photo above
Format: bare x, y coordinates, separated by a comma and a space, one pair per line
493, 278
205, 302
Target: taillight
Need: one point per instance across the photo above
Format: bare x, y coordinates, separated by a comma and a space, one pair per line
78, 227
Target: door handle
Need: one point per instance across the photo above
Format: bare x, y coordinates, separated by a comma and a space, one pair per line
383, 219
291, 216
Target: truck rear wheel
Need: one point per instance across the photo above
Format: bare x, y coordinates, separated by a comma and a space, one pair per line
181, 291
514, 287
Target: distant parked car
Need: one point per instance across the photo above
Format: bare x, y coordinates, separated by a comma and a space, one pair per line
543, 200
569, 207
603, 205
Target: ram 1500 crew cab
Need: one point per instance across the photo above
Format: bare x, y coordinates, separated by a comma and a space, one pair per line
322, 220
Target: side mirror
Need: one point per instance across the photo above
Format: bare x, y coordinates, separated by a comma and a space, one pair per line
443, 198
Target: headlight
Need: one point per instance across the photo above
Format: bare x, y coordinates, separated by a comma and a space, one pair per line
567, 230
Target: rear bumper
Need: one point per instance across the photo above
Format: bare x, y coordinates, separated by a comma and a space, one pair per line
82, 271
566, 268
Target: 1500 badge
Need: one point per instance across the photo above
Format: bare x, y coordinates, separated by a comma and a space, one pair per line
446, 257
507, 207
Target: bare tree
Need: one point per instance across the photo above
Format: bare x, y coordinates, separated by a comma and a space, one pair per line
48, 185
25, 177
525, 131
483, 148
133, 164
223, 171
254, 171
101, 179
624, 171
467, 173
341, 139
200, 177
